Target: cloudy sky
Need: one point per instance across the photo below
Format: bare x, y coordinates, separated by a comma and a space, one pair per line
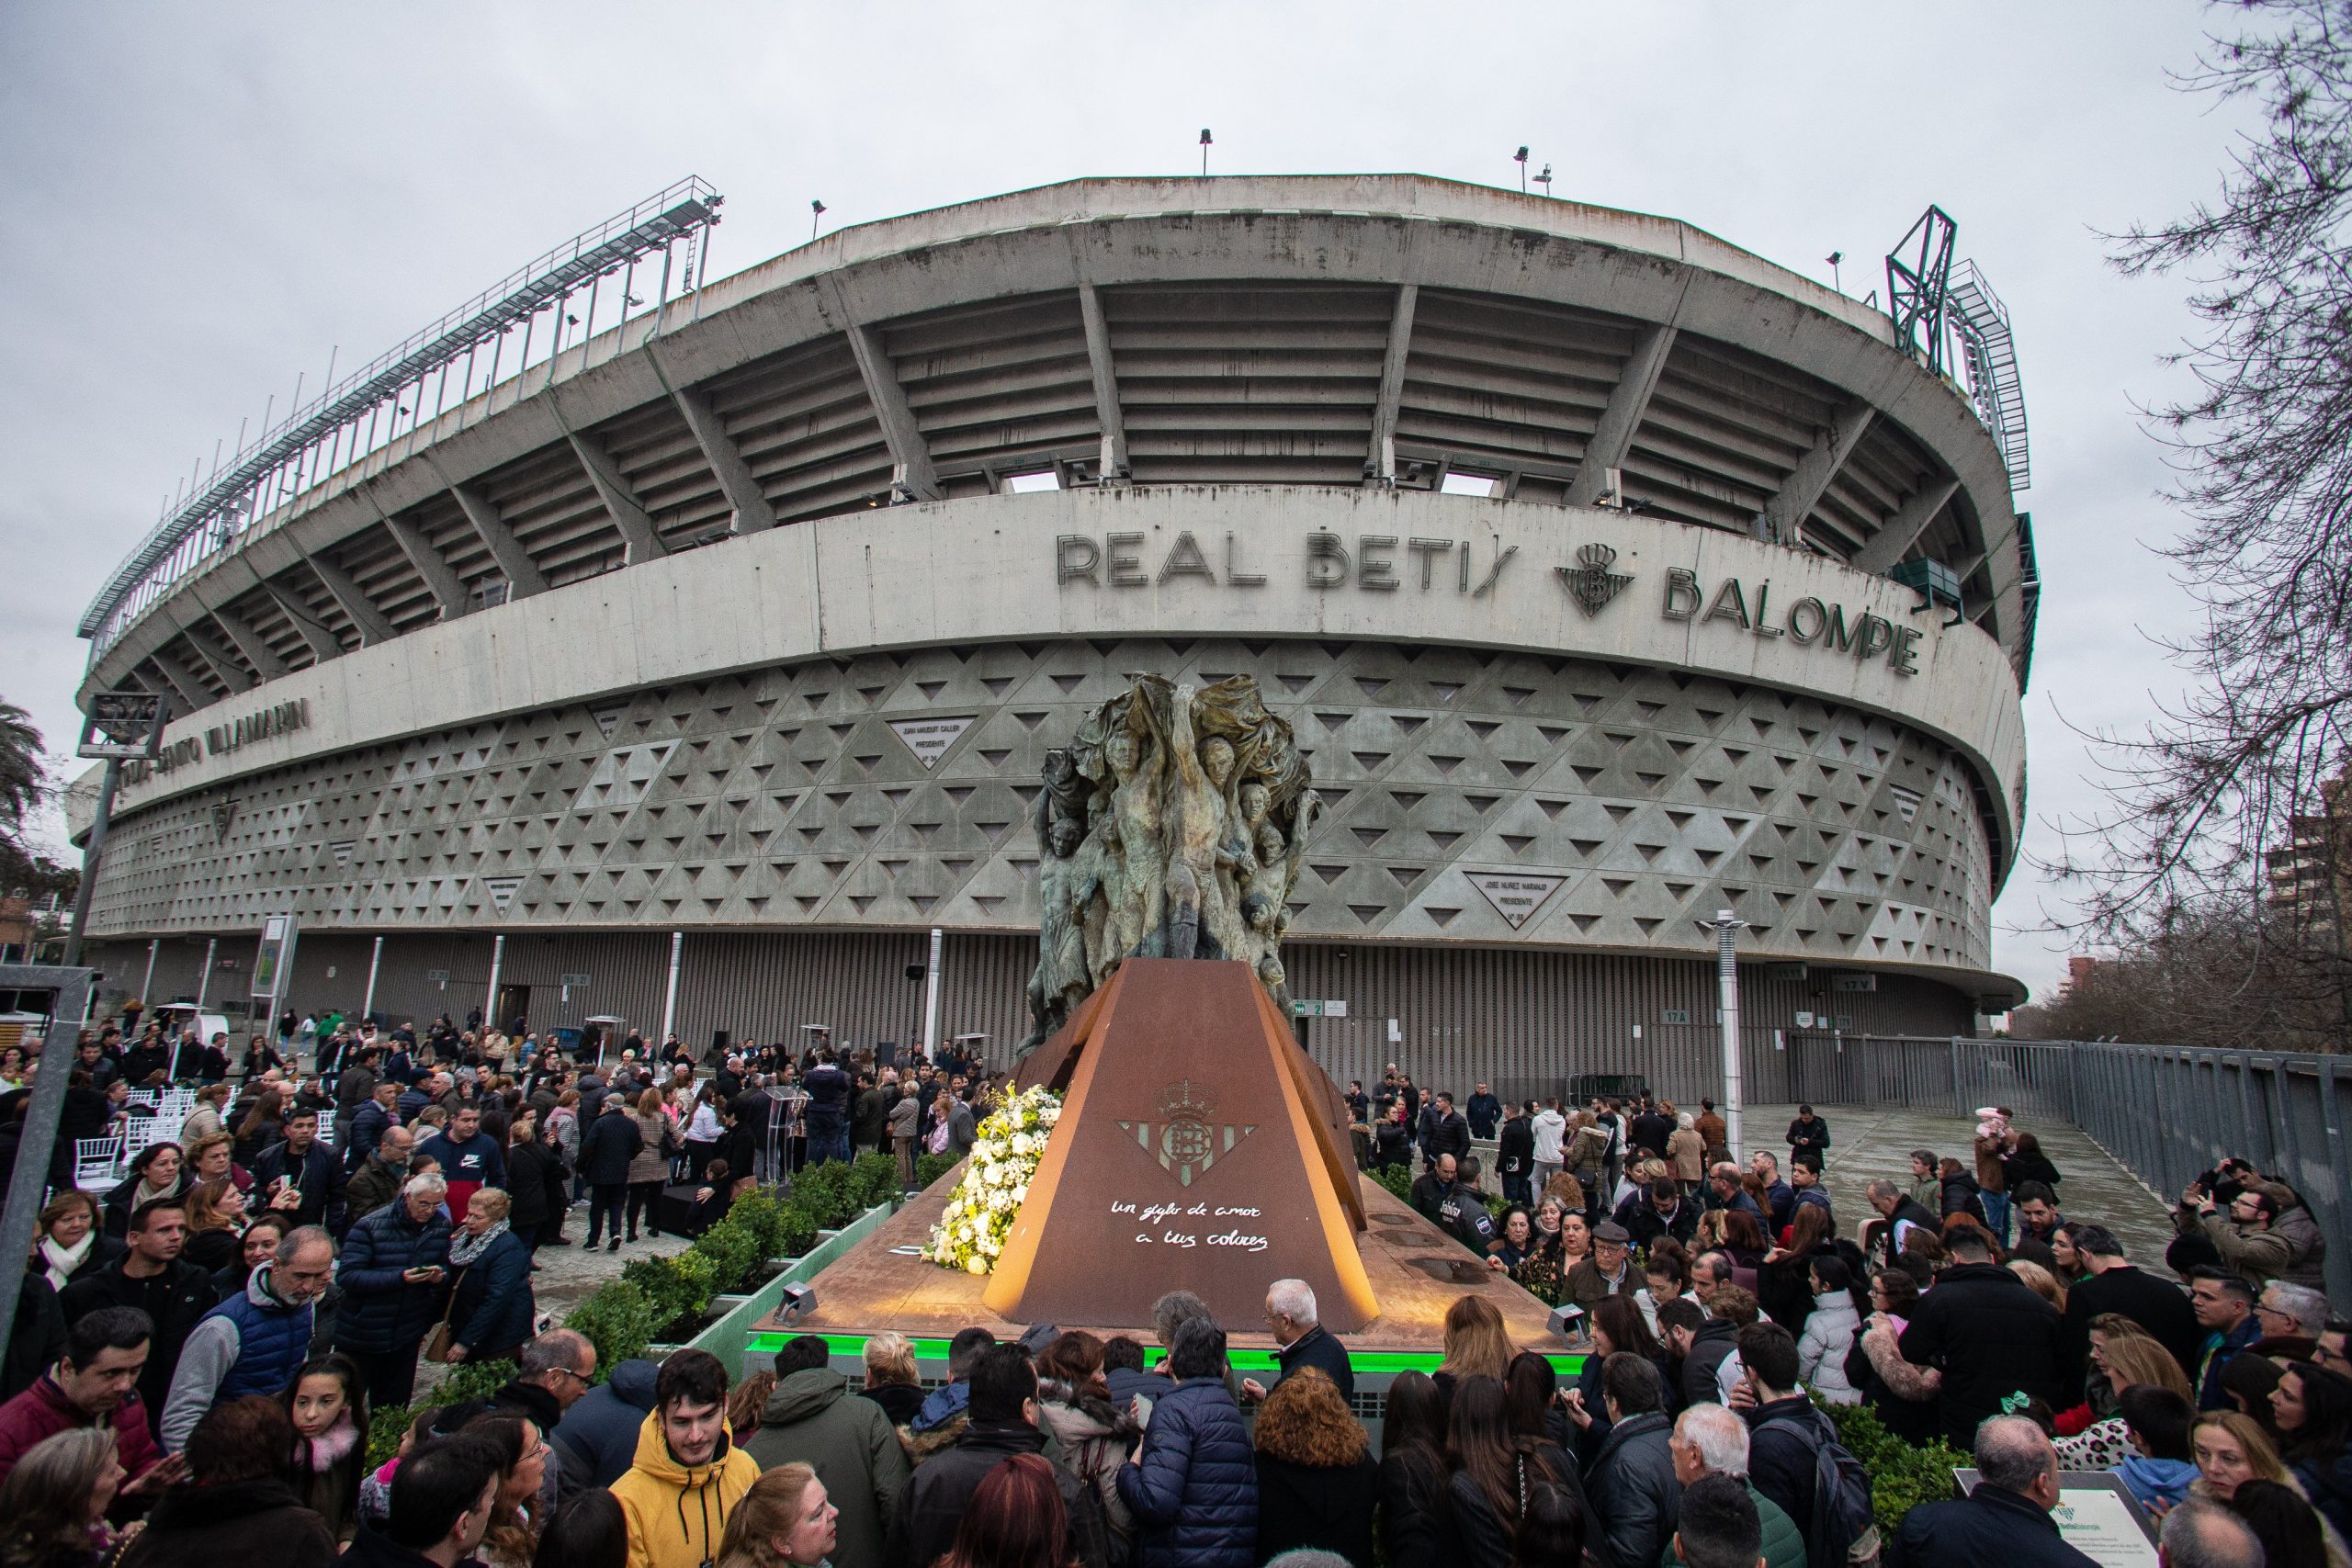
199, 202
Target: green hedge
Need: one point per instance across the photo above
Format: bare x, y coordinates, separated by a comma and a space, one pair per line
627, 1315
1398, 1179
1902, 1476
929, 1169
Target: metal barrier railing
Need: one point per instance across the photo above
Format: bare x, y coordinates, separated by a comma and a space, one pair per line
2166, 1113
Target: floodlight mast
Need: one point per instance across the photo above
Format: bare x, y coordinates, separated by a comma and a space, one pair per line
219, 515
127, 724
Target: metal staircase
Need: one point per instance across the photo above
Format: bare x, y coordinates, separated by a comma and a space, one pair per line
1982, 323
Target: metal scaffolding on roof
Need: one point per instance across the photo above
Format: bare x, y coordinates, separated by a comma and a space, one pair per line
221, 511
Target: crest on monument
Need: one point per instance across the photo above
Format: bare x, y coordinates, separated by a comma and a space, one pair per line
1187, 1143
1590, 583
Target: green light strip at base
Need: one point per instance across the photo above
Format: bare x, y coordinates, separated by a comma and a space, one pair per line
1388, 1362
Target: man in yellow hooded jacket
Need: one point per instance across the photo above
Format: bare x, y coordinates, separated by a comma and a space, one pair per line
688, 1475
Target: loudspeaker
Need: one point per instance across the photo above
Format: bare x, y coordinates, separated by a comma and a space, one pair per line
885, 1054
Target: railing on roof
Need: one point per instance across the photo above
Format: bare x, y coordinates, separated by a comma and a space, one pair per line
276, 465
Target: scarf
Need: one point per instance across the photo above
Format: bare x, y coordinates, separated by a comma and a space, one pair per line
63, 1260
465, 1247
333, 1446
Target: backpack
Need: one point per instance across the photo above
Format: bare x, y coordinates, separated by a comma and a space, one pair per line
1841, 1519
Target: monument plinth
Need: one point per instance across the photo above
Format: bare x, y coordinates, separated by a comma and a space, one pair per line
1195, 1152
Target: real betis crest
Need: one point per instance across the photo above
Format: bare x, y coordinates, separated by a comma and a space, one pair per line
1590, 583
1184, 1139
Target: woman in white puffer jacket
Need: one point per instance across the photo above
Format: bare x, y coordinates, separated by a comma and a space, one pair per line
1829, 1335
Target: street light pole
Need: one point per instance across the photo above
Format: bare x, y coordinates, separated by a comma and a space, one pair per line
107, 783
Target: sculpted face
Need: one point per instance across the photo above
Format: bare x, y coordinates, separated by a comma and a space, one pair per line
1122, 752
1254, 799
1217, 758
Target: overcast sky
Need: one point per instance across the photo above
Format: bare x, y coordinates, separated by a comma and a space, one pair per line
198, 202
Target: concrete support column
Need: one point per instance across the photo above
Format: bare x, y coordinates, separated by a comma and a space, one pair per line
736, 480
252, 644
233, 674
1782, 519
190, 691
321, 641
514, 563
1727, 928
1885, 549
637, 528
909, 455
448, 589
204, 976
931, 998
375, 962
374, 625
1105, 374
670, 996
1629, 401
147, 986
490, 1003
1392, 385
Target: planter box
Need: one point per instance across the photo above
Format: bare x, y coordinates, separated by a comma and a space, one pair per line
727, 1337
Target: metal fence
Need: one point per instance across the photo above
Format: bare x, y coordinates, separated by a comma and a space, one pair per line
2167, 1113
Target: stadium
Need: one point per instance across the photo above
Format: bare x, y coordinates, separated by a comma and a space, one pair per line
696, 665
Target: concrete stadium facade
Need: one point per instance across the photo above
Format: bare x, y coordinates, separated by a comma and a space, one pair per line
750, 630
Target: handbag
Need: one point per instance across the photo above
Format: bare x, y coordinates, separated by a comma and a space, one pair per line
438, 1343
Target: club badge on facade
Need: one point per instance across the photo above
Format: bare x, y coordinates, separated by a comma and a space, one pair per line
1591, 583
1187, 1143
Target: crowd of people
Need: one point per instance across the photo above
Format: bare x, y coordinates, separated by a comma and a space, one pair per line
201, 1345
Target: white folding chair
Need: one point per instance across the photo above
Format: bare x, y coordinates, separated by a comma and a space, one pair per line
94, 1160
326, 1128
138, 1131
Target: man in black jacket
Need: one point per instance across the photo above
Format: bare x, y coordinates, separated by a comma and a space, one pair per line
2006, 1518
1440, 1197
152, 1275
1002, 1423
1651, 1131
1898, 1213
1300, 1341
1635, 1493
1659, 1211
1515, 1153
1785, 1430
2113, 1284
1484, 1110
1700, 1344
1807, 1132
307, 1167
1989, 1332
1450, 1135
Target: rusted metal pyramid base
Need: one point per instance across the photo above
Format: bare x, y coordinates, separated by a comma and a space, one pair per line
1195, 1151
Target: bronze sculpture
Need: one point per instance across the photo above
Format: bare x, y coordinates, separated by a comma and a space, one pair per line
1171, 826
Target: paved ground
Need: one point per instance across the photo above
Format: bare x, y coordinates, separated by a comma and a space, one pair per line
1866, 1144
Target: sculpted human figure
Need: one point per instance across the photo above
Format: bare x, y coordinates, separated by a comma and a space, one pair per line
1061, 931
1197, 829
1139, 897
1173, 825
